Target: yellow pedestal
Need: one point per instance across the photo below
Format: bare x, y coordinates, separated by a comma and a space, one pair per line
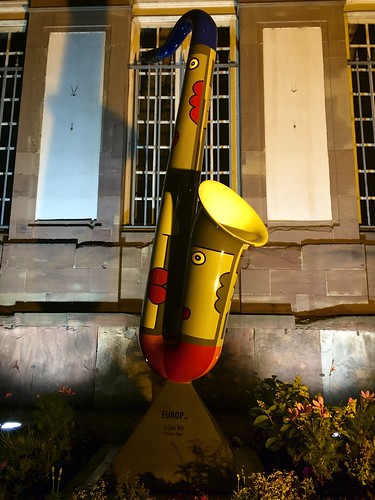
178, 445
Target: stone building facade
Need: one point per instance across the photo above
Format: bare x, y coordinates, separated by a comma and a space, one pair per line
71, 288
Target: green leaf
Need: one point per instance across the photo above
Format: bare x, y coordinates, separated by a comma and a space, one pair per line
292, 432
345, 433
273, 444
261, 420
284, 427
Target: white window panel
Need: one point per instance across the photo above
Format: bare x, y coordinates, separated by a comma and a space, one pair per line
71, 129
297, 167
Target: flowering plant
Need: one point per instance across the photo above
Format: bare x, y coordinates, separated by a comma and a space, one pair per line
322, 440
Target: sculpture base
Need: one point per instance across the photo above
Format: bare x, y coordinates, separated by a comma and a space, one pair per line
178, 445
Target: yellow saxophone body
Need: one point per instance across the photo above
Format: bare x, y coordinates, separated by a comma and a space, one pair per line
196, 252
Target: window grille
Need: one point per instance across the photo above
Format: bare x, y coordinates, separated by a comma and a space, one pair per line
156, 97
362, 64
12, 47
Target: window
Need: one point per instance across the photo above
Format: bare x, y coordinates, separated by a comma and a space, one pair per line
12, 47
72, 115
297, 165
362, 66
154, 101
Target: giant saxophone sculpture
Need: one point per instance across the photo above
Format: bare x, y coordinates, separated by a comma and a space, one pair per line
197, 246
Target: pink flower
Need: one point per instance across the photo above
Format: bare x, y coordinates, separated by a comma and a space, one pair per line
304, 408
67, 390
293, 413
367, 396
8, 395
318, 404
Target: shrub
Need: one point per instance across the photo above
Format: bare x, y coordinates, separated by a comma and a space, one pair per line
325, 439
279, 485
28, 455
129, 489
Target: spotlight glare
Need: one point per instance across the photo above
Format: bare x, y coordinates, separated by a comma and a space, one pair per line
9, 426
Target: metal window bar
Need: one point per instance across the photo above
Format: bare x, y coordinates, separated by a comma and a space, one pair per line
363, 71
11, 70
155, 111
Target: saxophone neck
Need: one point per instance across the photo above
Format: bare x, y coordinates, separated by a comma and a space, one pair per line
204, 32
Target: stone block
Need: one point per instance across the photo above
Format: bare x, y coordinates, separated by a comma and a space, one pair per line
333, 14
123, 376
249, 24
58, 280
332, 303
287, 257
10, 299
132, 257
92, 297
288, 353
12, 280
304, 302
20, 229
97, 257
370, 265
104, 280
133, 283
253, 163
345, 180
273, 304
146, 252
24, 185
348, 363
333, 256
39, 256
255, 282
288, 281
223, 386
288, 233
261, 321
341, 101
109, 207
35, 360
347, 282
64, 232
258, 204
110, 184
254, 185
41, 319
103, 234
347, 230
27, 163
78, 319
348, 216
20, 208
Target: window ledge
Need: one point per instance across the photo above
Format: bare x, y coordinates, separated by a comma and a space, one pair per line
66, 223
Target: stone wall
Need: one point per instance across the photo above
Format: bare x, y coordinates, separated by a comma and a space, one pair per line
98, 357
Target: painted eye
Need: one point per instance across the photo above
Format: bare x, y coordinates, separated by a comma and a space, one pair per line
198, 258
194, 63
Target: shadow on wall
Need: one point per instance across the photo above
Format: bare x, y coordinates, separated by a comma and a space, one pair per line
101, 367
